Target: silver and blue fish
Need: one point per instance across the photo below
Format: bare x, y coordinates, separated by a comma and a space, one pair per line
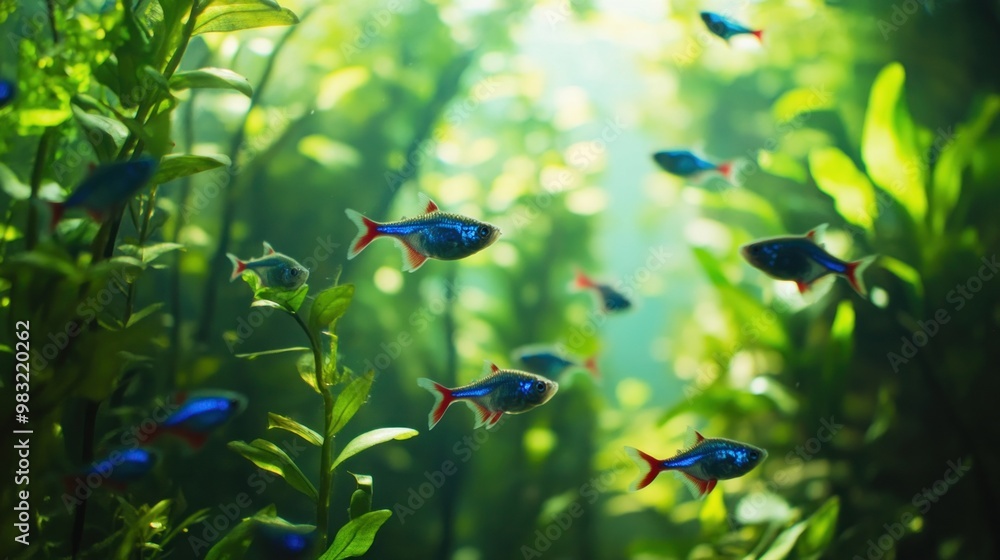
702, 465
200, 413
610, 299
106, 188
275, 270
432, 235
501, 391
685, 164
727, 28
551, 362
803, 260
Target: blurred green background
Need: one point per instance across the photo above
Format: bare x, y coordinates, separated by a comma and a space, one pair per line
875, 117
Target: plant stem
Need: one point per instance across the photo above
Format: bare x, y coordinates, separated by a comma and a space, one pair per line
326, 455
41, 158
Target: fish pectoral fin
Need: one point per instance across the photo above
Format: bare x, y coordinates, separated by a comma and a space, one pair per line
412, 259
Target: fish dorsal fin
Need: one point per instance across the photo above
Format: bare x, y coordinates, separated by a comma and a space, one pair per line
816, 234
692, 438
430, 206
489, 368
268, 250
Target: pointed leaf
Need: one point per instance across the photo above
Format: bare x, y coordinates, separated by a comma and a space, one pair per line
236, 16
349, 401
181, 165
785, 542
143, 313
371, 439
273, 459
307, 370
255, 355
211, 78
361, 499
851, 191
888, 143
355, 538
106, 135
955, 157
149, 253
288, 300
329, 306
235, 544
285, 423
822, 527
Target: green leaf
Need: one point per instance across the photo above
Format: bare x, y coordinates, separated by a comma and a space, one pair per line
349, 401
781, 164
795, 102
285, 423
851, 191
143, 313
361, 499
822, 527
904, 272
889, 143
955, 157
211, 78
181, 165
287, 300
273, 459
785, 542
13, 186
149, 253
236, 16
255, 355
307, 370
329, 306
106, 135
371, 439
235, 544
355, 538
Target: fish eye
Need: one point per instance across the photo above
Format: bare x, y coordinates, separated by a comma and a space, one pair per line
294, 272
540, 386
483, 231
754, 455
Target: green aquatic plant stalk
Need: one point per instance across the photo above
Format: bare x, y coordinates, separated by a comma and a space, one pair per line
41, 159
326, 454
218, 260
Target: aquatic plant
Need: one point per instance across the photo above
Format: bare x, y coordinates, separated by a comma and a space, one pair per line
343, 394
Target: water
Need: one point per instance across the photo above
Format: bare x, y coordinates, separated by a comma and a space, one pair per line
878, 119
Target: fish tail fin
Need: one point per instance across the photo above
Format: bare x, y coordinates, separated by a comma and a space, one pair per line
759, 34
591, 365
581, 281
238, 266
57, 208
649, 468
726, 169
855, 274
442, 400
367, 232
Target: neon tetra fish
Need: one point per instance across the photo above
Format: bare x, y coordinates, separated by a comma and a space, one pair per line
8, 91
610, 299
199, 414
727, 28
107, 188
685, 164
799, 258
702, 465
117, 469
548, 361
501, 391
433, 235
274, 269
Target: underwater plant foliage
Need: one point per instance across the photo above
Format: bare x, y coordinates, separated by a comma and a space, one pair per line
267, 119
